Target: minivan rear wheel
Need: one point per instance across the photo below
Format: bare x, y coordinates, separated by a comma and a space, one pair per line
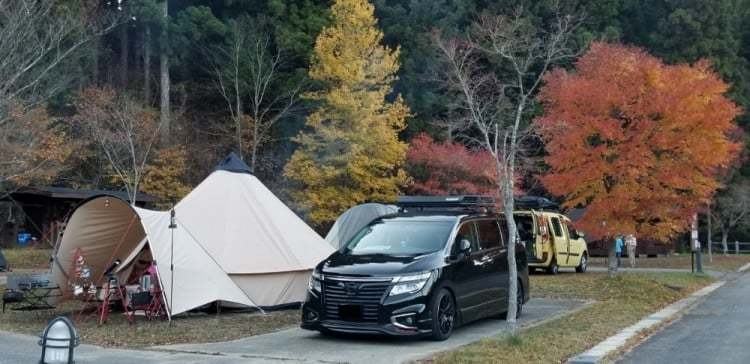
519, 302
553, 267
443, 310
584, 264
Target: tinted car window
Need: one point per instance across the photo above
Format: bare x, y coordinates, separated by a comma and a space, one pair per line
468, 232
556, 227
489, 234
400, 238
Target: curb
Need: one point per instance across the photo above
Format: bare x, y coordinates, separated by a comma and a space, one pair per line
743, 268
613, 343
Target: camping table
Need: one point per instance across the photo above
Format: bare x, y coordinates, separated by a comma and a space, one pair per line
37, 290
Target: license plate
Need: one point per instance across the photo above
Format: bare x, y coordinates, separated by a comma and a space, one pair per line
350, 312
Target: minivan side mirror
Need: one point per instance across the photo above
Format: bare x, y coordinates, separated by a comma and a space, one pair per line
464, 246
580, 235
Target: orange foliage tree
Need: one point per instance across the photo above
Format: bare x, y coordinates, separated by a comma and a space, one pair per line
449, 168
638, 143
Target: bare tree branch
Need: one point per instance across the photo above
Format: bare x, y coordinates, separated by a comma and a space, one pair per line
494, 75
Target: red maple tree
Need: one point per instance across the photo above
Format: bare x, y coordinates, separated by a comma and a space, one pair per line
638, 143
449, 168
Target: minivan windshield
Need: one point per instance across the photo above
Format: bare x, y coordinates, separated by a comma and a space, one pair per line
400, 238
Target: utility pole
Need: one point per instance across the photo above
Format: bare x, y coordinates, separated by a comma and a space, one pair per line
696, 244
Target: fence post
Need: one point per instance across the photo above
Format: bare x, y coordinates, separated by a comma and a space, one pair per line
736, 247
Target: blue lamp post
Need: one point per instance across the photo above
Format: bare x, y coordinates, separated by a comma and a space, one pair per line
58, 342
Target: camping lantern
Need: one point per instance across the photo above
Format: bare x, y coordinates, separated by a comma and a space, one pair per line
58, 341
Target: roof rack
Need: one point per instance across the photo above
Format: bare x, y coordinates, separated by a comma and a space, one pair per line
467, 202
536, 203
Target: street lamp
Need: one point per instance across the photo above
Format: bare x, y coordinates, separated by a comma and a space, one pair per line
58, 341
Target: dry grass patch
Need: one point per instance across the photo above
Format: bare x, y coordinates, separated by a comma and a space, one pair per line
620, 302
27, 258
198, 327
721, 263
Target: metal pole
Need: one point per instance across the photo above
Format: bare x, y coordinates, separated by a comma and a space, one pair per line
172, 226
698, 263
692, 261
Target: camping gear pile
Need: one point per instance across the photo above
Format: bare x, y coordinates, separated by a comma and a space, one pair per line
230, 240
31, 291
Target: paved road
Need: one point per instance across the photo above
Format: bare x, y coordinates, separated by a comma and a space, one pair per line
716, 331
15, 348
288, 346
300, 346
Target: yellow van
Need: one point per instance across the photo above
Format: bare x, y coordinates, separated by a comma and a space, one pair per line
551, 241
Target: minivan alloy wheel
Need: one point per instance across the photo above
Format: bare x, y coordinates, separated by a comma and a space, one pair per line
446, 314
519, 300
553, 267
443, 315
581, 268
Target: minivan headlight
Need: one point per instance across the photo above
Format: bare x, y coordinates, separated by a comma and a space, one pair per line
314, 284
409, 284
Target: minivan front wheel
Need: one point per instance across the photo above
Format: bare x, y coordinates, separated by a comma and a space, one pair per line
443, 315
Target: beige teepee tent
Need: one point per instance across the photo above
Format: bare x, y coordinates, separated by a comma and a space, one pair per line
234, 242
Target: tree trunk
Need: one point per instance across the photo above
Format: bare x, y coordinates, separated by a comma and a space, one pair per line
724, 236
254, 155
709, 237
736, 247
164, 117
612, 268
508, 207
124, 56
147, 64
95, 64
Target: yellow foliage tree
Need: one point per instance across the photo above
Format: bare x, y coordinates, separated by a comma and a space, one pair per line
163, 177
350, 152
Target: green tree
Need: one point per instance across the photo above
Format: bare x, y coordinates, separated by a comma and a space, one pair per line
351, 152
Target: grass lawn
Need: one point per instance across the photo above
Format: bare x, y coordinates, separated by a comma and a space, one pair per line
620, 302
200, 327
722, 263
27, 258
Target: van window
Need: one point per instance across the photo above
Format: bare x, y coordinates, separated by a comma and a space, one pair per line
400, 238
467, 231
556, 227
489, 234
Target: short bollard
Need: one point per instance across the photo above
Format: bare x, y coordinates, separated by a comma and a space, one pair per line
58, 341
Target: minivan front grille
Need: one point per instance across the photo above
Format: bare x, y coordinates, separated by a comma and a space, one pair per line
364, 296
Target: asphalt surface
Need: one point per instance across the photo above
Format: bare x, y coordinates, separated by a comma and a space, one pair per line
715, 331
301, 346
15, 349
289, 346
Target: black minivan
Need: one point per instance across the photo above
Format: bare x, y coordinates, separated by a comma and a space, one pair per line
437, 263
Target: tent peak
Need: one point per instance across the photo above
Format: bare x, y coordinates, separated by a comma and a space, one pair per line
233, 163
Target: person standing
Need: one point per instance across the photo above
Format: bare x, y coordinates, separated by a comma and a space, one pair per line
631, 244
618, 249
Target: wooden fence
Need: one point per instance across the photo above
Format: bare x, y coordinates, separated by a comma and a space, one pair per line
733, 247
